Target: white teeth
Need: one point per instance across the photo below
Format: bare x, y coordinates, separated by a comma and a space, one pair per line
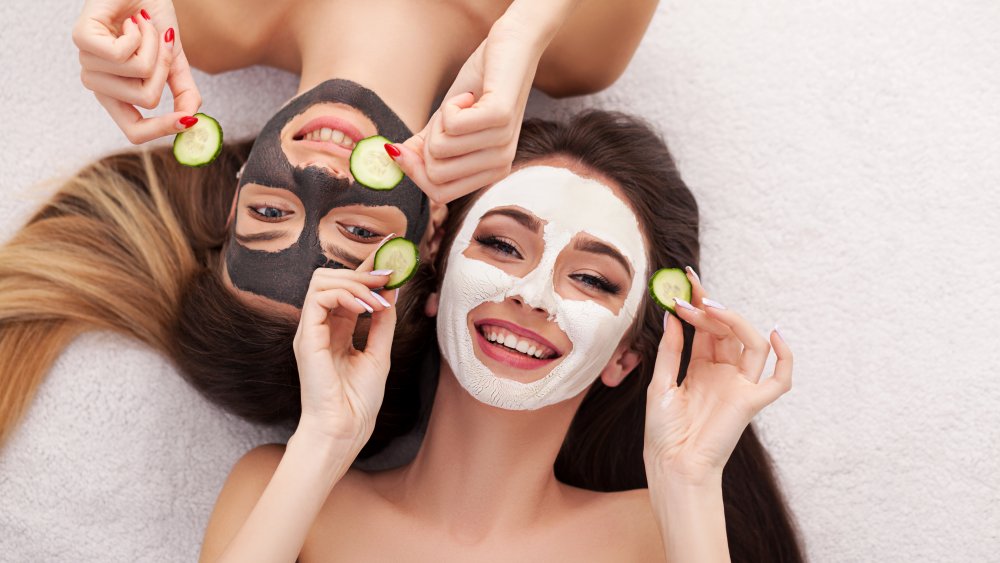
335, 136
325, 134
531, 350
522, 346
509, 340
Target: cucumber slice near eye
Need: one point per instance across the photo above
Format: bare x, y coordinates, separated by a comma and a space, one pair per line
402, 257
667, 283
372, 167
200, 144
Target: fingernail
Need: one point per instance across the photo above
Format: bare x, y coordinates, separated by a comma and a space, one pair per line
393, 151
778, 332
666, 317
684, 304
693, 273
365, 305
169, 35
396, 297
713, 304
381, 299
188, 121
380, 272
135, 21
145, 14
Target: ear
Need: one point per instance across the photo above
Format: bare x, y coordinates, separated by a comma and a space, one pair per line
431, 306
622, 362
232, 208
435, 232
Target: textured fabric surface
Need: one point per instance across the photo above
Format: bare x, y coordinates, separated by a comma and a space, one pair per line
845, 156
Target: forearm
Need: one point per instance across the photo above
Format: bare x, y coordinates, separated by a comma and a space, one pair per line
277, 526
541, 21
691, 519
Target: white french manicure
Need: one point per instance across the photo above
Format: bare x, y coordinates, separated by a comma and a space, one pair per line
693, 273
381, 272
381, 299
778, 332
684, 304
365, 305
713, 304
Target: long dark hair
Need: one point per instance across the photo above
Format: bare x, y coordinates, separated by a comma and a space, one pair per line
603, 449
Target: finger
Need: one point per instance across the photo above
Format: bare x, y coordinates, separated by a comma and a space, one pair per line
755, 347
699, 320
490, 111
187, 98
449, 146
137, 92
668, 357
452, 107
139, 129
361, 288
138, 65
781, 381
382, 329
442, 172
369, 262
93, 36
328, 278
337, 311
318, 305
710, 345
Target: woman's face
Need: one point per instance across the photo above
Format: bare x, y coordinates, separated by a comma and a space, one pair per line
298, 208
543, 281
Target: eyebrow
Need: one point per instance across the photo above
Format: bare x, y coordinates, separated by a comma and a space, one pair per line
527, 220
598, 247
259, 237
342, 255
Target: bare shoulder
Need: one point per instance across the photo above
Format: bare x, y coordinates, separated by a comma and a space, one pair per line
223, 35
593, 47
626, 516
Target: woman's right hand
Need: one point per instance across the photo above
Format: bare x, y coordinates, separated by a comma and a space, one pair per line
343, 387
129, 51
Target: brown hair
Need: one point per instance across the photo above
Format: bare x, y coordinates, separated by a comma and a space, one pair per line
603, 449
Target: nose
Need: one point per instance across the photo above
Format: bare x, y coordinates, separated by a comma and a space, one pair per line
338, 168
518, 300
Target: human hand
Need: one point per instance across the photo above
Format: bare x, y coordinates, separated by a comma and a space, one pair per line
129, 51
691, 430
470, 141
343, 387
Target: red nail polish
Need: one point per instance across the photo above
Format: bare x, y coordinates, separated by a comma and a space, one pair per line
169, 35
188, 121
393, 151
135, 21
145, 14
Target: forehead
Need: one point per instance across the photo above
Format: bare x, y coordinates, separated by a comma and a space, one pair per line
568, 203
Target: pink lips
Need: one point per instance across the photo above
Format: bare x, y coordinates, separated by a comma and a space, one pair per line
511, 357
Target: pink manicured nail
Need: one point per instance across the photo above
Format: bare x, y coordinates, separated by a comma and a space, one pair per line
693, 273
713, 304
380, 272
365, 305
778, 332
381, 299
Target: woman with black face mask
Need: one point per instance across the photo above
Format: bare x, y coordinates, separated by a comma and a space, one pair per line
208, 269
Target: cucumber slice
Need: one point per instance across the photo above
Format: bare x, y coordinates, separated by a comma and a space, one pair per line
667, 283
372, 167
402, 257
200, 144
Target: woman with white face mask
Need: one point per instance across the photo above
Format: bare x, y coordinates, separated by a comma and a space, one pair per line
571, 419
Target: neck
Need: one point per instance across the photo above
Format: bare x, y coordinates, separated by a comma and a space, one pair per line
482, 469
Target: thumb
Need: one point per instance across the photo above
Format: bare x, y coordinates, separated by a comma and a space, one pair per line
452, 107
408, 156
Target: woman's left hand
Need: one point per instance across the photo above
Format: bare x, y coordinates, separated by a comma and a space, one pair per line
692, 429
470, 141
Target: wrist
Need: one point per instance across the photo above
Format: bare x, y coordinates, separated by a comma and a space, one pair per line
334, 455
539, 20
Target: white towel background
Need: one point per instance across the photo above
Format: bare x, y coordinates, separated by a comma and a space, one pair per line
846, 157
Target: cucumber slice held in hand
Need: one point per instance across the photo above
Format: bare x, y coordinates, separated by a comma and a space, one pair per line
372, 167
667, 283
199, 144
402, 257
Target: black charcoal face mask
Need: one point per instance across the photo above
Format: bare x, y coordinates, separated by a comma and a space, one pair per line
284, 275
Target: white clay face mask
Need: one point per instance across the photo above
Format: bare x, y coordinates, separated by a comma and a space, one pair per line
568, 205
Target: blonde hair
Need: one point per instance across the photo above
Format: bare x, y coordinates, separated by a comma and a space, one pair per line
107, 252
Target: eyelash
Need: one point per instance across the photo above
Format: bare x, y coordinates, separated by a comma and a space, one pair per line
362, 238
599, 283
499, 245
253, 209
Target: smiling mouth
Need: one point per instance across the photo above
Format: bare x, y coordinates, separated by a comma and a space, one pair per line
330, 130
505, 339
